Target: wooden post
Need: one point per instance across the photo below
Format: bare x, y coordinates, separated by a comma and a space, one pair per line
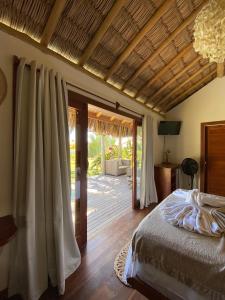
103, 154
220, 70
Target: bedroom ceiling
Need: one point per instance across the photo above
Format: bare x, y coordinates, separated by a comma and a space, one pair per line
141, 47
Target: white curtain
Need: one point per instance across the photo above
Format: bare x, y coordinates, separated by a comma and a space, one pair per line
148, 189
45, 245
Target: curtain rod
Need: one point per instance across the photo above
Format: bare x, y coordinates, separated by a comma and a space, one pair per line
117, 104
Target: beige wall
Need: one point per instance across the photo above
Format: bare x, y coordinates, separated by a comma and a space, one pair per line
11, 46
5, 159
206, 105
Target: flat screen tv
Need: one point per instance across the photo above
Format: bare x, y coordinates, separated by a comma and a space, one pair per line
169, 127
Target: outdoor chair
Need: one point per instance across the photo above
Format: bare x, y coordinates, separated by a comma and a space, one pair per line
116, 167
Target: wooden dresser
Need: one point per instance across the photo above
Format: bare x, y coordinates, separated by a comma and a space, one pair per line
165, 179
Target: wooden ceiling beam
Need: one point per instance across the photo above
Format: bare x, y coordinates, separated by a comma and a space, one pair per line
165, 43
101, 31
183, 96
174, 78
52, 22
152, 21
111, 120
25, 38
174, 91
220, 70
165, 69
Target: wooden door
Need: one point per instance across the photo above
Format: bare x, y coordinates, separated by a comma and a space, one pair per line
213, 158
79, 197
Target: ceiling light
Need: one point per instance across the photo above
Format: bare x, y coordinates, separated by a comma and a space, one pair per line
209, 31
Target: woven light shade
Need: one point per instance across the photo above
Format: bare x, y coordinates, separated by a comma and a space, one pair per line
209, 31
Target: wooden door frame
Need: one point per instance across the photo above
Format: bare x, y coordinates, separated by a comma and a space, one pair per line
134, 169
86, 99
81, 225
73, 99
203, 164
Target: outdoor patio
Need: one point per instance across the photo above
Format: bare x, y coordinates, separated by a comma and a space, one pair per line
109, 197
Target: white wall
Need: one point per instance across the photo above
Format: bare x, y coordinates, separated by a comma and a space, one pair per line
207, 105
12, 46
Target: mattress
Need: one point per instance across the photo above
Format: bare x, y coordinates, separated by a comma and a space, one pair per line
178, 263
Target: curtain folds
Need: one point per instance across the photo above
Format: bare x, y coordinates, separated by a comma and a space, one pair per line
148, 189
45, 245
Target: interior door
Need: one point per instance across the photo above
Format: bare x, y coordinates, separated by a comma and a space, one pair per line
213, 158
78, 123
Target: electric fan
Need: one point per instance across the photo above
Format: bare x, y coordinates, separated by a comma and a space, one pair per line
190, 167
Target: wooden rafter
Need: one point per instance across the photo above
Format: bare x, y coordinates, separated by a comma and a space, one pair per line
192, 89
165, 69
220, 70
165, 43
101, 31
174, 78
153, 20
98, 114
111, 120
25, 38
52, 22
174, 91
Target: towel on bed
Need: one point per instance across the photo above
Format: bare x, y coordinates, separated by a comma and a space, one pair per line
193, 259
195, 211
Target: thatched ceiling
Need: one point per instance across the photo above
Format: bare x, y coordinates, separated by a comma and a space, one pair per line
142, 47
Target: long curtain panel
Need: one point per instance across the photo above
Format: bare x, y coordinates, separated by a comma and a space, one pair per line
148, 189
45, 245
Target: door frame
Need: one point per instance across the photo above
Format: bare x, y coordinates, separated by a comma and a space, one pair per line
203, 160
73, 99
81, 206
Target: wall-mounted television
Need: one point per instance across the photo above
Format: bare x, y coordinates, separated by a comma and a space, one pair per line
169, 127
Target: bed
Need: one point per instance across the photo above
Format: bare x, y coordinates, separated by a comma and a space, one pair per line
167, 262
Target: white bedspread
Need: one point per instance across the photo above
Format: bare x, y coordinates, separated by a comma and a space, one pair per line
192, 259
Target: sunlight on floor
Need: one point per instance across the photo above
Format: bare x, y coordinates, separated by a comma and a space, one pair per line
109, 198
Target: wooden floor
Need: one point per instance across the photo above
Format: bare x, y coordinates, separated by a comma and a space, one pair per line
95, 279
109, 197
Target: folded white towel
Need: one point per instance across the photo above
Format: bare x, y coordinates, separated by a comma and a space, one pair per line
211, 200
198, 212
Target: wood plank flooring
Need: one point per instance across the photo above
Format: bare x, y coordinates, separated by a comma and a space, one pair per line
109, 197
95, 279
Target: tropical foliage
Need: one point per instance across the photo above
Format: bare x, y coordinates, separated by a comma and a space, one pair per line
111, 152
